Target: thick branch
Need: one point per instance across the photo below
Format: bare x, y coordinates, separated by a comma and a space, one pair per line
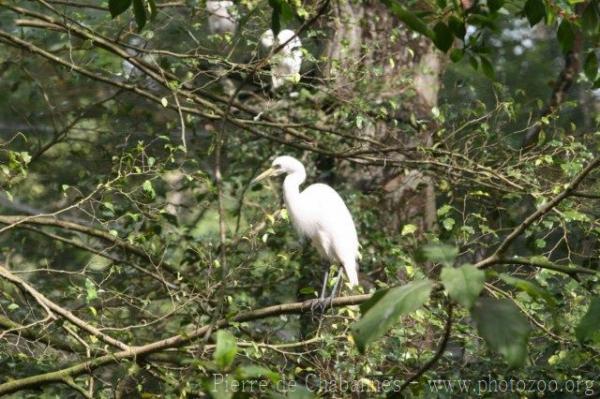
175, 341
546, 264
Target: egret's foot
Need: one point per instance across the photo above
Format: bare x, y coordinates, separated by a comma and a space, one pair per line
318, 306
321, 305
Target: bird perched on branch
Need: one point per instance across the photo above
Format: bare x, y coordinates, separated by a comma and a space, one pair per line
285, 65
319, 213
222, 17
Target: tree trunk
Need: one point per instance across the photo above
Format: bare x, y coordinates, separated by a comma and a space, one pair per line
367, 39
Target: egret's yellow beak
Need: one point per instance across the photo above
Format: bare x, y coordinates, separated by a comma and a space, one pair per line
267, 173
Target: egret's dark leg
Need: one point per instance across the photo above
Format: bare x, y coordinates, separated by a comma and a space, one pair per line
320, 304
329, 301
336, 286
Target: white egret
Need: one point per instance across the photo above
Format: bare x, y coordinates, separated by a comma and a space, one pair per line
222, 17
285, 65
319, 213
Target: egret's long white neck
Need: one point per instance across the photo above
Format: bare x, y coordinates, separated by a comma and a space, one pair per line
291, 188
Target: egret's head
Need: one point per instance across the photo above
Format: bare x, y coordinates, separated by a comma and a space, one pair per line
283, 164
267, 39
214, 6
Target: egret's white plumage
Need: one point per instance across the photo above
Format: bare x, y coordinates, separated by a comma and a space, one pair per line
319, 213
286, 64
222, 16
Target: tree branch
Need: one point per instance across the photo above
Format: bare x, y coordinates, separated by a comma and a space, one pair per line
564, 82
91, 231
438, 354
174, 341
52, 307
538, 214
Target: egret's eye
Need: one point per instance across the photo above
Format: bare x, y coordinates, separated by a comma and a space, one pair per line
277, 167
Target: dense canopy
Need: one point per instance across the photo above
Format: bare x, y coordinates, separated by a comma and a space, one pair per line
138, 260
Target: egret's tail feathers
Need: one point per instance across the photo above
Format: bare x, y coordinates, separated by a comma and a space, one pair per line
351, 269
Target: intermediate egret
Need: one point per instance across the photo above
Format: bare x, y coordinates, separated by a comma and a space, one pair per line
319, 213
285, 65
222, 17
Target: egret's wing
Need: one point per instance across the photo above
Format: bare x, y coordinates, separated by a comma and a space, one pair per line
327, 212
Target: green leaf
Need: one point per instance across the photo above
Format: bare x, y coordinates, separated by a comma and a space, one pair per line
590, 66
411, 20
457, 54
487, 68
535, 11
90, 289
377, 295
381, 315
438, 253
153, 9
495, 5
149, 189
443, 36
117, 7
457, 26
226, 349
139, 11
565, 35
408, 229
534, 290
474, 62
588, 328
252, 372
275, 16
589, 18
503, 327
463, 284
287, 12
448, 223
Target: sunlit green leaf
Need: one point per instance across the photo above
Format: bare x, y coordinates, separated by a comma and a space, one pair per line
463, 284
529, 287
438, 253
384, 313
90, 288
226, 349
